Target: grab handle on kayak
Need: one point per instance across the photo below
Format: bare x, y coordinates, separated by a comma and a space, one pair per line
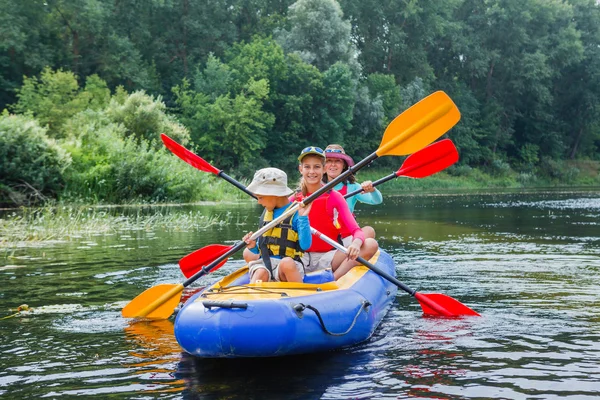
223, 304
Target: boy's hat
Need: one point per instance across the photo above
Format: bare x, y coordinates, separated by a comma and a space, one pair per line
270, 182
312, 150
337, 151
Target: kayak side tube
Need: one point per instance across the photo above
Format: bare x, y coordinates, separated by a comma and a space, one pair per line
324, 320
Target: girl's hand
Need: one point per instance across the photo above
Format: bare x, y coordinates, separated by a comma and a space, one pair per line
367, 186
250, 244
304, 210
354, 249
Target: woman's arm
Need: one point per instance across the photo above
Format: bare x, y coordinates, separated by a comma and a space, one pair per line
373, 198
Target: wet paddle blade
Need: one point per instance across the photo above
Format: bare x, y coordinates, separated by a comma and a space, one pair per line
429, 160
158, 302
419, 126
193, 159
193, 262
441, 304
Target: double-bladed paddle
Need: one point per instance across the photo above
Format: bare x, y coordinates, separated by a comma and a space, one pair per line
425, 162
432, 303
409, 132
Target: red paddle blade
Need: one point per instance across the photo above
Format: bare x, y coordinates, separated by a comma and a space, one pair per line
193, 262
193, 159
442, 305
429, 160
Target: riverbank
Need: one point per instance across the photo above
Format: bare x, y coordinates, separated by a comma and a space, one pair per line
568, 174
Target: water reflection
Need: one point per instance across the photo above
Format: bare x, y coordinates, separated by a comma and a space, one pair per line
155, 352
297, 377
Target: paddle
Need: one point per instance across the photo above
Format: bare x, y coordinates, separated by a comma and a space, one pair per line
432, 304
412, 130
425, 162
189, 264
198, 162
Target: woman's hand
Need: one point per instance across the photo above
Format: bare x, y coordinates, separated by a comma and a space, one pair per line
354, 249
250, 244
367, 186
304, 210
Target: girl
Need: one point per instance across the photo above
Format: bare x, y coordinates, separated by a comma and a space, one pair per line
337, 161
328, 213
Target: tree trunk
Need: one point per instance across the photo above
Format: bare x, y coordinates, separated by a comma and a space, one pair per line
576, 144
488, 86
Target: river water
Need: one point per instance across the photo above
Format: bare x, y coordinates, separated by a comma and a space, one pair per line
528, 262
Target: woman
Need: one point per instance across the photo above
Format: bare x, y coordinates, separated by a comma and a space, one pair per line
328, 213
337, 161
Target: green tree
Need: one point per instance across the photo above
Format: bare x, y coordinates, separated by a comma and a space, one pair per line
56, 96
318, 33
145, 118
32, 165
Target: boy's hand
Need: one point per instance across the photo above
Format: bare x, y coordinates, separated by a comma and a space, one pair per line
367, 186
250, 244
304, 210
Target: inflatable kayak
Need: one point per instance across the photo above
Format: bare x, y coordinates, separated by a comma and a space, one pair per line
233, 318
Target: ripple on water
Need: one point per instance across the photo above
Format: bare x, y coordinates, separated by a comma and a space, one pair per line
567, 204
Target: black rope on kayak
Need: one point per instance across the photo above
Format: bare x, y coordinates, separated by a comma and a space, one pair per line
301, 307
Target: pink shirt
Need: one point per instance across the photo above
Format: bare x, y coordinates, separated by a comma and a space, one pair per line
332, 211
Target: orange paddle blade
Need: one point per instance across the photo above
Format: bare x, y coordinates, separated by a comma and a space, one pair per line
419, 126
158, 302
193, 262
429, 160
441, 304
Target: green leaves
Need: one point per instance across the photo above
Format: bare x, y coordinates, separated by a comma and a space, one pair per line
32, 165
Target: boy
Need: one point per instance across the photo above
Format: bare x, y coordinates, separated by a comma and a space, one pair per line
277, 254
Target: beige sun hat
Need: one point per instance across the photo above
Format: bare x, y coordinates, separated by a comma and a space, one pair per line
270, 182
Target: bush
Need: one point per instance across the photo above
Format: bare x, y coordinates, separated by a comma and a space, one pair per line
499, 167
56, 96
145, 118
460, 170
526, 178
32, 165
109, 167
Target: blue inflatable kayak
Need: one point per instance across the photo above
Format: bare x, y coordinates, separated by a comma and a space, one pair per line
233, 318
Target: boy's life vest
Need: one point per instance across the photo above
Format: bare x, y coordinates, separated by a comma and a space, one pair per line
281, 240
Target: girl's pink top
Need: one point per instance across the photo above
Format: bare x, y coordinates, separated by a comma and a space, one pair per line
336, 204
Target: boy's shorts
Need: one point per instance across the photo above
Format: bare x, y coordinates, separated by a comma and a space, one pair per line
258, 264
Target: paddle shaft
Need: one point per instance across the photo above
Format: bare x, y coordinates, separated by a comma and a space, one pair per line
382, 273
239, 245
377, 182
342, 177
235, 183
406, 170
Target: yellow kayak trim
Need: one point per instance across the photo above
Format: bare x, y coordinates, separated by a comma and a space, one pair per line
222, 291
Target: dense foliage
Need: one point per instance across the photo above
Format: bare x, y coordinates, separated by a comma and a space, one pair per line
249, 83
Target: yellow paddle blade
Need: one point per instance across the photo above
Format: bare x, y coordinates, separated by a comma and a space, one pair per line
419, 126
158, 302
